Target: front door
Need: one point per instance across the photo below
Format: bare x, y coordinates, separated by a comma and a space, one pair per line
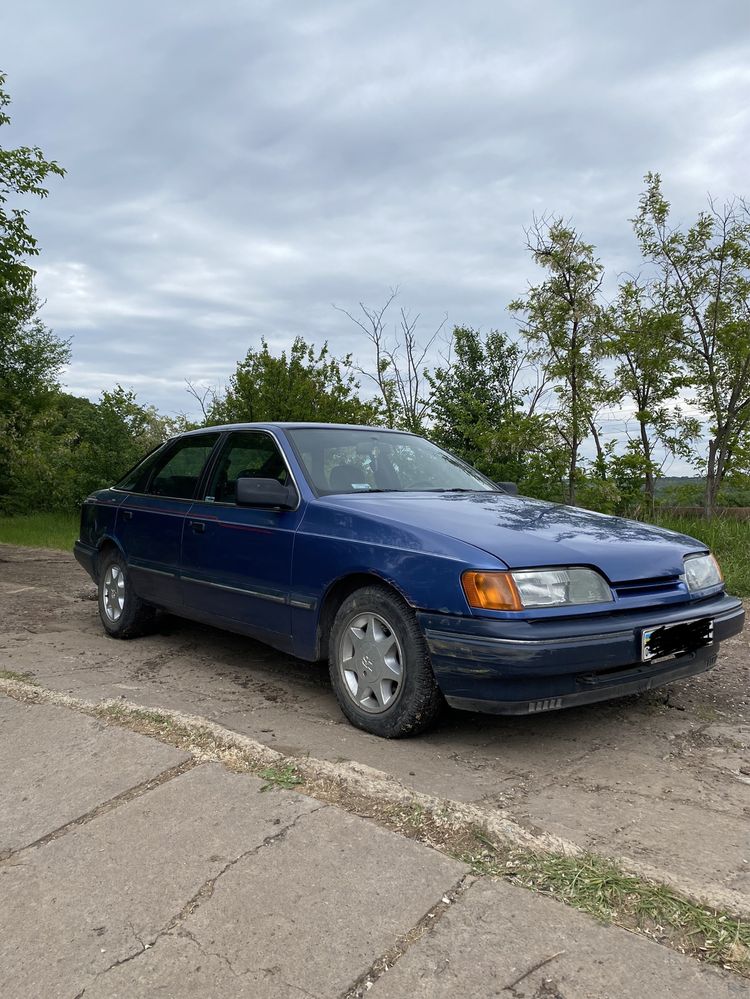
236, 560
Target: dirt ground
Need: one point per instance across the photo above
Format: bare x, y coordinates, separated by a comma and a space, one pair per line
662, 778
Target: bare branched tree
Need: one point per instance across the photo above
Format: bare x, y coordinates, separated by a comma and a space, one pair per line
205, 397
401, 360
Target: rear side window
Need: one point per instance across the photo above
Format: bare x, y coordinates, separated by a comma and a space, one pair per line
135, 480
179, 471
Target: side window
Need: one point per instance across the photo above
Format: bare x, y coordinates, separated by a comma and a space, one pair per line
135, 480
177, 476
245, 454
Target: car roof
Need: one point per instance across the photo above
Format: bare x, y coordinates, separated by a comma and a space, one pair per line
291, 426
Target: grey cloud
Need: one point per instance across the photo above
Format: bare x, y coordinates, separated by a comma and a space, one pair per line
235, 168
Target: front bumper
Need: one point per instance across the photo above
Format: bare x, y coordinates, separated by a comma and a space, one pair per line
522, 667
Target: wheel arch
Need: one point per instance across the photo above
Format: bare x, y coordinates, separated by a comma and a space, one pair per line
336, 594
103, 546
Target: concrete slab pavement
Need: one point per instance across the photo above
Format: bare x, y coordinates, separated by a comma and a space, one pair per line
197, 883
95, 897
308, 916
503, 941
57, 765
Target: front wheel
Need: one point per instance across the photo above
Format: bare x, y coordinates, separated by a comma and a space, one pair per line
379, 664
122, 613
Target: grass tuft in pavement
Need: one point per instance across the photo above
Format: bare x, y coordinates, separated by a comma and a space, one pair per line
285, 776
11, 674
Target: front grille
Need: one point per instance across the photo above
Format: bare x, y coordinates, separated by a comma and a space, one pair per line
662, 586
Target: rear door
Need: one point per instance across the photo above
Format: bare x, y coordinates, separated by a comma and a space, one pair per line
150, 521
236, 560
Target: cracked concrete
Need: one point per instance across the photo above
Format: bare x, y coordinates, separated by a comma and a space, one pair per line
195, 883
49, 782
279, 920
426, 924
85, 897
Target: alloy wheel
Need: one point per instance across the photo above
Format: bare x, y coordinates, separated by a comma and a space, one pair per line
370, 662
113, 592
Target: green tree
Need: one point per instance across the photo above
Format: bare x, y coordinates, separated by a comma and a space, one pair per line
22, 171
31, 357
475, 393
642, 338
306, 385
482, 412
75, 446
562, 318
708, 272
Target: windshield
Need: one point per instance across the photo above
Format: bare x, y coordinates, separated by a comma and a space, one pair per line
338, 460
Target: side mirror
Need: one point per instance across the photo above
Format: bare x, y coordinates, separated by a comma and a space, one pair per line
508, 487
265, 492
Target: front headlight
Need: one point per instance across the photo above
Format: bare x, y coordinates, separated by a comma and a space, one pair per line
527, 588
701, 572
556, 587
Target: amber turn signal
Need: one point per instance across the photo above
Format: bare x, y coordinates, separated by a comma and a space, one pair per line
491, 591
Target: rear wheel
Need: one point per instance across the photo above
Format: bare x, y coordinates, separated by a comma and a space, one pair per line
379, 664
123, 614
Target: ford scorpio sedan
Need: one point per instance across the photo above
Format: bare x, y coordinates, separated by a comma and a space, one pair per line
418, 579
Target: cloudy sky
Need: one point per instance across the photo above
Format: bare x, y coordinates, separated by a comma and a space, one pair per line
234, 168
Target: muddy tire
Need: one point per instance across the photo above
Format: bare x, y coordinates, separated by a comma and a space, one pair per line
380, 667
123, 614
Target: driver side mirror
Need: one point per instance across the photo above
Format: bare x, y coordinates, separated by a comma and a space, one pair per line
265, 492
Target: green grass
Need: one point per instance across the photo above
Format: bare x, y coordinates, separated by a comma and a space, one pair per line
727, 538
285, 776
11, 674
40, 530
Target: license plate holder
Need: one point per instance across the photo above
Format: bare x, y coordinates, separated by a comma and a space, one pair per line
665, 640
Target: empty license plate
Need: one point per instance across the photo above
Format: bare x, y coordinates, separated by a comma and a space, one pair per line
672, 639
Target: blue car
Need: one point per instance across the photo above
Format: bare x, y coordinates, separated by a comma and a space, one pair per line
417, 578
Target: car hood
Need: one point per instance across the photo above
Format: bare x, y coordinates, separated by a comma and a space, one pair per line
524, 532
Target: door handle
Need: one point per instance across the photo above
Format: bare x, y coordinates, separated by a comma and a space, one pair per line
198, 526
127, 514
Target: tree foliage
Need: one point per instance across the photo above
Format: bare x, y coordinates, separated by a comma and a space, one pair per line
563, 320
23, 171
707, 267
484, 410
641, 335
304, 385
31, 357
75, 446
